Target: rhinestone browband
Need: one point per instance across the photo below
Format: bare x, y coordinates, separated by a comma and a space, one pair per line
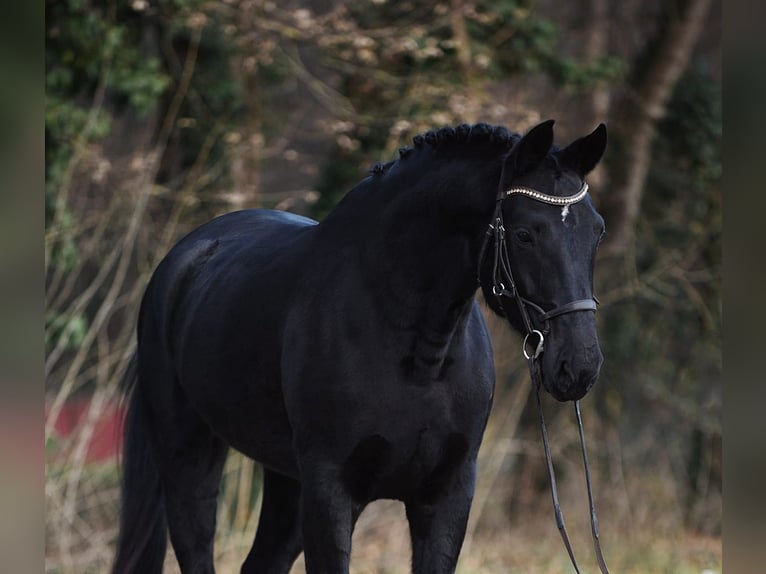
551, 199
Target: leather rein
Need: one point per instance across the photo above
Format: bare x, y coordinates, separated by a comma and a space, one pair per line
504, 288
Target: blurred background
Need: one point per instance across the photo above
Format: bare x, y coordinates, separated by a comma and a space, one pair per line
162, 114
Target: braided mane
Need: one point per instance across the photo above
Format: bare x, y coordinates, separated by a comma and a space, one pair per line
480, 134
477, 135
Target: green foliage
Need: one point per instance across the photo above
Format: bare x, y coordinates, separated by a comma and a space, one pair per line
106, 61
582, 77
90, 46
109, 59
108, 46
64, 253
140, 82
693, 128
86, 42
66, 330
216, 93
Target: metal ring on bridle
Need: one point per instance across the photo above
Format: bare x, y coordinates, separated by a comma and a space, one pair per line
539, 348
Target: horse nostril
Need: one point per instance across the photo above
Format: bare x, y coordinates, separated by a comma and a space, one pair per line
566, 372
573, 374
593, 354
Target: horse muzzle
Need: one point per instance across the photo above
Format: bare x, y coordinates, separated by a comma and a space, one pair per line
569, 373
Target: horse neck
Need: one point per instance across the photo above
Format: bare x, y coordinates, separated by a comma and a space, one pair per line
421, 247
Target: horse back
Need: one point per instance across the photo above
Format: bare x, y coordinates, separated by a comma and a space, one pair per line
246, 250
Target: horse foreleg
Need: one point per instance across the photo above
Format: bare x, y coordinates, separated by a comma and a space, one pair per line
437, 527
328, 515
278, 540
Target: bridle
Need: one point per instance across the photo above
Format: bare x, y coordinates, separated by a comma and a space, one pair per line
503, 284
503, 289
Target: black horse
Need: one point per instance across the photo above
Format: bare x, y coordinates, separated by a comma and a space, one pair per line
350, 356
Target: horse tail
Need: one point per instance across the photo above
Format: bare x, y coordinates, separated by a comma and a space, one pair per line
142, 540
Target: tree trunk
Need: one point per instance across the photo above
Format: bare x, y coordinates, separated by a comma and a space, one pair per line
666, 57
460, 36
596, 46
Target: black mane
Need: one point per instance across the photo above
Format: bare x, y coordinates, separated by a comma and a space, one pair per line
462, 138
479, 136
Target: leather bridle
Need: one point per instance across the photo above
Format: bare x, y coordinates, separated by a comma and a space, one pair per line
504, 288
503, 284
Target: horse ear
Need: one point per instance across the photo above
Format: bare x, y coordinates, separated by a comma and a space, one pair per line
583, 154
530, 150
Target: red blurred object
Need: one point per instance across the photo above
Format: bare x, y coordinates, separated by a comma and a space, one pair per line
106, 437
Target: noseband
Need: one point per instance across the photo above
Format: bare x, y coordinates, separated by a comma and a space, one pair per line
504, 288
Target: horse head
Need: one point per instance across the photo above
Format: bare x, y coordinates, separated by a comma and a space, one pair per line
541, 274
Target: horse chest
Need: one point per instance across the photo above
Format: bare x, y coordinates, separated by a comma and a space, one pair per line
407, 465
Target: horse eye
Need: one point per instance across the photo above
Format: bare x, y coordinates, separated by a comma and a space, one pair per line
523, 236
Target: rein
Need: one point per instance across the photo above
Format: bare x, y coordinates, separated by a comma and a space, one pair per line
504, 288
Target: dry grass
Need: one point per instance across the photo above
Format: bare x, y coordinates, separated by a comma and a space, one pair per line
523, 542
511, 528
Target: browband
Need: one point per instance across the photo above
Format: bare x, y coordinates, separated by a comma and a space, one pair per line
550, 199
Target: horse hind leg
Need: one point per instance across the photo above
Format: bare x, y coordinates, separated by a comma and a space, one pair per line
172, 471
192, 458
278, 541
